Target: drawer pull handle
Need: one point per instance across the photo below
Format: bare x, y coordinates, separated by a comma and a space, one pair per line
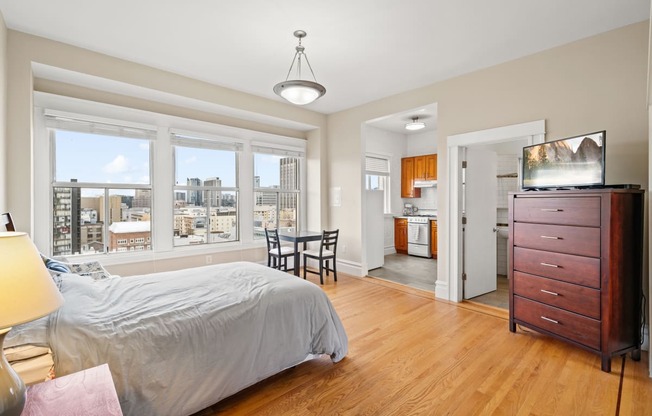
551, 209
549, 292
549, 265
551, 237
549, 320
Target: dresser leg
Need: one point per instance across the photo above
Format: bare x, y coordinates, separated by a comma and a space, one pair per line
636, 354
606, 363
512, 326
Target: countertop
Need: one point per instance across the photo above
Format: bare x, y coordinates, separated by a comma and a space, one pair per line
431, 217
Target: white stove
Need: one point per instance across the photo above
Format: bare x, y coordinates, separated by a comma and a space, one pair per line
419, 236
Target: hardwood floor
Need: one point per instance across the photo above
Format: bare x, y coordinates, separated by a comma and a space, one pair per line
410, 354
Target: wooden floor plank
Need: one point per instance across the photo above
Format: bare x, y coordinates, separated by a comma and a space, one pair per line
412, 355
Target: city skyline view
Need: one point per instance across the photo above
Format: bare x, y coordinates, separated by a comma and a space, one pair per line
103, 159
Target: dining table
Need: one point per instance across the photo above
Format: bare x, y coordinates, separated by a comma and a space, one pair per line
297, 237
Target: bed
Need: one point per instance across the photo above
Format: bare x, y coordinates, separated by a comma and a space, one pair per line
177, 342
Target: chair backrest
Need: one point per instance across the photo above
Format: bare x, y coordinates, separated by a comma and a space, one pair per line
273, 241
328, 240
7, 221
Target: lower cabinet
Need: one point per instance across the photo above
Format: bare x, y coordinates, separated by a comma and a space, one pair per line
433, 239
400, 235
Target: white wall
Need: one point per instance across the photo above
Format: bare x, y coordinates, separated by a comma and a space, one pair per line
588, 85
3, 115
422, 143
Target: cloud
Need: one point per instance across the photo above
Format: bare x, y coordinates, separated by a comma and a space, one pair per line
191, 159
119, 165
144, 145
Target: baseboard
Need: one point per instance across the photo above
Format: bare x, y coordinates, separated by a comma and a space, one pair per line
349, 267
390, 250
441, 290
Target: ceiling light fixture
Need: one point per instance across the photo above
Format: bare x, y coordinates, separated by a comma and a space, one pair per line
415, 124
298, 91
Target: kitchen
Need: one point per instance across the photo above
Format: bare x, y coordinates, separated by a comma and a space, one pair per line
404, 249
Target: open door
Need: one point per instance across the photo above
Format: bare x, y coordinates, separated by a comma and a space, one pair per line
479, 262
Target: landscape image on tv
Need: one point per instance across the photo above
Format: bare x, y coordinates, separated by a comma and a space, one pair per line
575, 161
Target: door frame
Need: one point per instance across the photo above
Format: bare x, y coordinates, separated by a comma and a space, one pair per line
533, 131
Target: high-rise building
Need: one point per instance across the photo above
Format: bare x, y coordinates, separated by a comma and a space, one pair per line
211, 197
142, 199
289, 177
194, 196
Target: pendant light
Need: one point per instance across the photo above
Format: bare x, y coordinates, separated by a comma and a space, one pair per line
298, 91
415, 124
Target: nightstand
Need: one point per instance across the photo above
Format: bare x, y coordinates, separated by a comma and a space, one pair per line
89, 392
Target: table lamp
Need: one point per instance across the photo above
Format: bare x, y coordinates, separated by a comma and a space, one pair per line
27, 292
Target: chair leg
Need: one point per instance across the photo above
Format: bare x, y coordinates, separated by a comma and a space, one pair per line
327, 267
321, 272
334, 269
269, 260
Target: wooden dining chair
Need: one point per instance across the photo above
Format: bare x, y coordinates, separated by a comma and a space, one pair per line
7, 221
327, 252
277, 255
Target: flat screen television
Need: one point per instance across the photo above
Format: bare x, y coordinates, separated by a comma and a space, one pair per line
571, 162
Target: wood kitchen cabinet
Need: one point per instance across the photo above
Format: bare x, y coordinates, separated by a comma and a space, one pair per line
430, 167
576, 267
433, 238
400, 235
407, 179
419, 168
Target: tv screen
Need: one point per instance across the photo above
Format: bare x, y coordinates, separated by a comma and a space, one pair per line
571, 162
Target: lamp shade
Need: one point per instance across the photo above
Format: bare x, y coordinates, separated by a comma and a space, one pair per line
27, 291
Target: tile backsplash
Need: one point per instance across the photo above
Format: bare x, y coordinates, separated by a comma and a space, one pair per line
428, 200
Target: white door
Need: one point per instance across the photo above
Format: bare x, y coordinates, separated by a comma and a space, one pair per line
375, 232
479, 261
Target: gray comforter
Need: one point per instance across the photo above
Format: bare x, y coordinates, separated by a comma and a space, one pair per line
177, 342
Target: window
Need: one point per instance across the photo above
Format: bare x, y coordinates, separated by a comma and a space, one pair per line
276, 189
377, 178
100, 171
205, 191
107, 185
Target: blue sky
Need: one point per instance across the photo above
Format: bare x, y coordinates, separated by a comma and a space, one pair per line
92, 158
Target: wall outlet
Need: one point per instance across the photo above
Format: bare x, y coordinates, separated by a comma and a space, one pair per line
209, 259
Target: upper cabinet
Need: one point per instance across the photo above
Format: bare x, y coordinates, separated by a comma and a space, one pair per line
407, 179
417, 168
431, 167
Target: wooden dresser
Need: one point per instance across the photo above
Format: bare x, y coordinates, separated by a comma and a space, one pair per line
576, 269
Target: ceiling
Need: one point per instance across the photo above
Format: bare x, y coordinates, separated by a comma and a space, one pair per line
360, 50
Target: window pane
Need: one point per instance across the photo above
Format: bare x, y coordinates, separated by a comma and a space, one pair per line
204, 167
129, 219
264, 212
98, 158
274, 171
288, 209
193, 226
81, 217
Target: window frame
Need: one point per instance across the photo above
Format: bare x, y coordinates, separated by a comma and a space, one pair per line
200, 141
162, 176
386, 174
301, 158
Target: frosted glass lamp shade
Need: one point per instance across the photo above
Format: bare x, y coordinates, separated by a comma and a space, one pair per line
299, 92
27, 291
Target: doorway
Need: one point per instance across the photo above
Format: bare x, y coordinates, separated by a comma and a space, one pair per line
529, 133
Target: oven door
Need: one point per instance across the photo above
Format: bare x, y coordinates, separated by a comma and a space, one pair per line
418, 234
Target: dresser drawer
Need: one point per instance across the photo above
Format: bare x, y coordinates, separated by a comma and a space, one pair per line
578, 328
567, 267
584, 211
578, 299
583, 241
